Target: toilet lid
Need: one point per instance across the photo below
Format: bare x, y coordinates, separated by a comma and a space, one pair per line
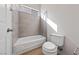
49, 46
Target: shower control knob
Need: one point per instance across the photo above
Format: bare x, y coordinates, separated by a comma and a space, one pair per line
9, 30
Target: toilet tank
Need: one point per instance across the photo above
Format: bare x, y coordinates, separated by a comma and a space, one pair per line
57, 39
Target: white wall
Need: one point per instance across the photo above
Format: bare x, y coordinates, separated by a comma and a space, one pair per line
15, 23
67, 19
3, 29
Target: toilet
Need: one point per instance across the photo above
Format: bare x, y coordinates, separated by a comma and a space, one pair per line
53, 42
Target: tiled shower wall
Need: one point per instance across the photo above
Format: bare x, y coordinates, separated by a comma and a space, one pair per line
23, 24
29, 24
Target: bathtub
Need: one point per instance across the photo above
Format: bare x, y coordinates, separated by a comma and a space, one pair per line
26, 44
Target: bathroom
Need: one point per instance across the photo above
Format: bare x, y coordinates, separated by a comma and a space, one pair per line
33, 24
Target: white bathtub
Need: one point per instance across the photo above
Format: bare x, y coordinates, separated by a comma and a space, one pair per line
26, 44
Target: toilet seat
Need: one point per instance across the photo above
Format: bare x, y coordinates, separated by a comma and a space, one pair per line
48, 46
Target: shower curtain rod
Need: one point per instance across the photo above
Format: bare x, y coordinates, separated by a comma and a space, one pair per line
29, 8
23, 8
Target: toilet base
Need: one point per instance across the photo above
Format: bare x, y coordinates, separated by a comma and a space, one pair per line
49, 53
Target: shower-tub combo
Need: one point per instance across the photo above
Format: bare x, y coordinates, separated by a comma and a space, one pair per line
26, 32
26, 44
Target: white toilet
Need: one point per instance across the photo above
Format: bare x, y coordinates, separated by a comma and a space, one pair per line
51, 46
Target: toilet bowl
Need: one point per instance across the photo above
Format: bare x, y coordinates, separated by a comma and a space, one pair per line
51, 46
